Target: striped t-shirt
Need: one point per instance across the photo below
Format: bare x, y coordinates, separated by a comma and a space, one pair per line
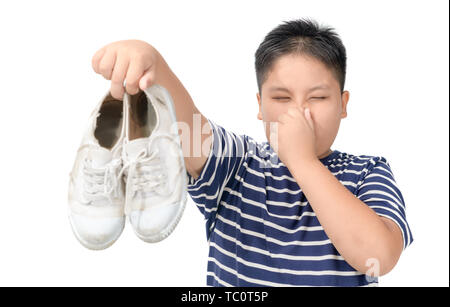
260, 228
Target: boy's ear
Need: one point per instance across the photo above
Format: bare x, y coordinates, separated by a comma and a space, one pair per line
345, 97
259, 103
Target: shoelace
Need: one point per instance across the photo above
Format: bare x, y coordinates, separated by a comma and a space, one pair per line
104, 181
151, 173
101, 182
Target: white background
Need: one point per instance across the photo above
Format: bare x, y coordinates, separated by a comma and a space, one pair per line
397, 77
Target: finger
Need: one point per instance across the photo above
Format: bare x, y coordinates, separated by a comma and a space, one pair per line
117, 91
307, 113
309, 118
96, 59
134, 73
118, 77
107, 64
147, 79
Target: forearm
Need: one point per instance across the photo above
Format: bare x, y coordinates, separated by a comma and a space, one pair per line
355, 230
183, 102
193, 128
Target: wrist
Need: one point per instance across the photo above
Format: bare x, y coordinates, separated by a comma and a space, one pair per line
297, 164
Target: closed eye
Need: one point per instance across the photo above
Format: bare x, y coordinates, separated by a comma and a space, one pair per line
279, 98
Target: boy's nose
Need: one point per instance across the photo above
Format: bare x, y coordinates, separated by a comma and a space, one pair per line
303, 104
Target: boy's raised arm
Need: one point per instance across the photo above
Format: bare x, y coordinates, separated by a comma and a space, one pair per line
140, 65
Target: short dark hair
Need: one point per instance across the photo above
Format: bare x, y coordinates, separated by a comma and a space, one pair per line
304, 37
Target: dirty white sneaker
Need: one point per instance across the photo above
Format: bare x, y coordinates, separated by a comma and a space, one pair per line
96, 192
154, 168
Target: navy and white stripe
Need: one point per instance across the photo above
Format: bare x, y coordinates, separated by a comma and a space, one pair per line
260, 227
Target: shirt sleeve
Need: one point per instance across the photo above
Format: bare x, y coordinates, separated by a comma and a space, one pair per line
381, 193
225, 158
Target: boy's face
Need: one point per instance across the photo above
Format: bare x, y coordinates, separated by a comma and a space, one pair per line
298, 75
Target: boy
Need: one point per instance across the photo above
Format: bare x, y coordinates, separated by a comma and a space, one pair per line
290, 211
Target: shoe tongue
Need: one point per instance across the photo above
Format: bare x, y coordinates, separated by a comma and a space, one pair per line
100, 156
134, 147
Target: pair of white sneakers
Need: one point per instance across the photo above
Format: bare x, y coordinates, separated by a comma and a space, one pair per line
129, 163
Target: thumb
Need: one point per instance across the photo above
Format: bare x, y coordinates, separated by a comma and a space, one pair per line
147, 79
